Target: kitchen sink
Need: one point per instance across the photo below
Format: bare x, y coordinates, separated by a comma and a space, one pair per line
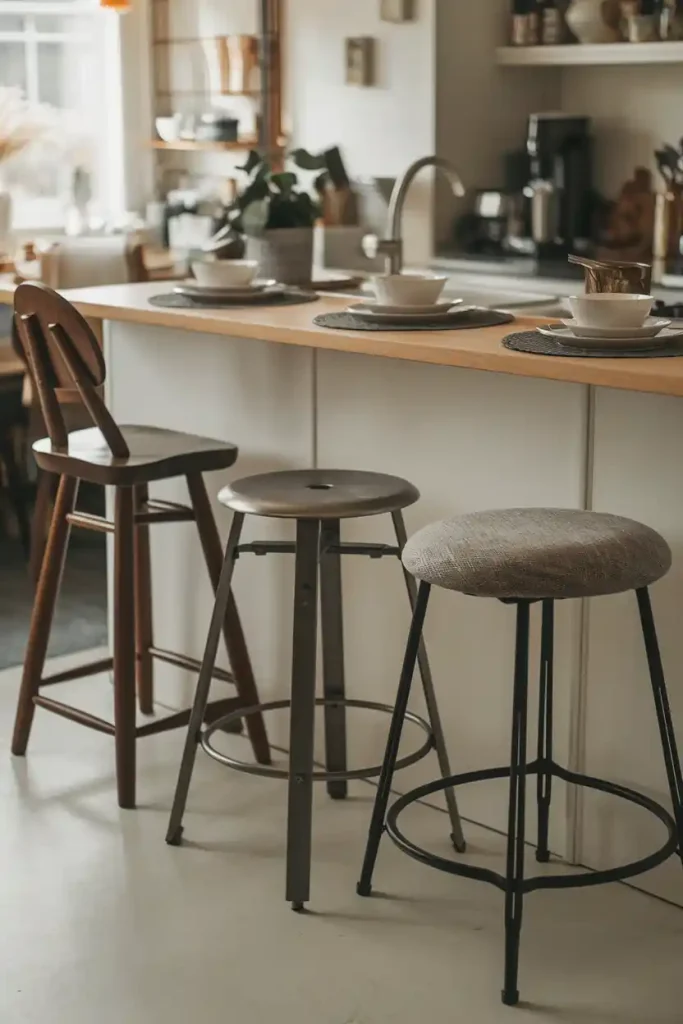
534, 303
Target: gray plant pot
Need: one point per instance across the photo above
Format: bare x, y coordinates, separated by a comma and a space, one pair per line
285, 255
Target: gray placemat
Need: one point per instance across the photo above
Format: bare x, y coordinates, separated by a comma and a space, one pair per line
291, 297
540, 345
476, 318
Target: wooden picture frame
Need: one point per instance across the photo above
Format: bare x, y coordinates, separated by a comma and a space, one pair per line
397, 11
360, 60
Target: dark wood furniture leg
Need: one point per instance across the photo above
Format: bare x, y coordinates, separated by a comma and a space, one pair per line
43, 611
144, 663
39, 524
238, 652
124, 645
16, 486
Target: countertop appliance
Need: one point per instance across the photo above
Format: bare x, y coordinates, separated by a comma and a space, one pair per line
560, 185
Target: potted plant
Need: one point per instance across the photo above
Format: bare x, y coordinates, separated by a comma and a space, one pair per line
276, 216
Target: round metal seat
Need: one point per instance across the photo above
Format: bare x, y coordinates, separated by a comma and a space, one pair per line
319, 494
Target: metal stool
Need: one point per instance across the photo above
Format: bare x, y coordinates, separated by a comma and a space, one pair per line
522, 556
318, 500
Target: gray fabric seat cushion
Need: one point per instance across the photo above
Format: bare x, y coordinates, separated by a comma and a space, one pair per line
538, 553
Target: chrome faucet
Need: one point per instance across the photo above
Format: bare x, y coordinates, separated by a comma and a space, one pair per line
392, 245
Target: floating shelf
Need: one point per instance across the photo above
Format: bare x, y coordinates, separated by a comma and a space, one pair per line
194, 145
602, 53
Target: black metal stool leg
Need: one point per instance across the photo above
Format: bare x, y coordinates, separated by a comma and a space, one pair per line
544, 780
514, 895
175, 825
433, 713
302, 722
333, 655
663, 709
364, 887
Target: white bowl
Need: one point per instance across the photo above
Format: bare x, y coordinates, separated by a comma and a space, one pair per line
611, 310
408, 289
168, 128
225, 273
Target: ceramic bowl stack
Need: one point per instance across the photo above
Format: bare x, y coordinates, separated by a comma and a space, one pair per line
226, 282
408, 300
613, 321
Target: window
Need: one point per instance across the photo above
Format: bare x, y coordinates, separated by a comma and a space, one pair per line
57, 51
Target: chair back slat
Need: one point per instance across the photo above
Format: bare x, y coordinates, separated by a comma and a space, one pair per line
65, 358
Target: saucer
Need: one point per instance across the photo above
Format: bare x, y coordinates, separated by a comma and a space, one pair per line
435, 313
442, 306
650, 329
569, 339
192, 290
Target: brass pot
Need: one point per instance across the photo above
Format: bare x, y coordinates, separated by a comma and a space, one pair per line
615, 276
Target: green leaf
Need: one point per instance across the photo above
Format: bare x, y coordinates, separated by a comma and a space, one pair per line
307, 161
254, 160
285, 182
255, 217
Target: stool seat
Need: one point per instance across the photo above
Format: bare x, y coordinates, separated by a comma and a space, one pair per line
155, 454
319, 494
538, 553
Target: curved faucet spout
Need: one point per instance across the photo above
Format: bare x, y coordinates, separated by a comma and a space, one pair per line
392, 245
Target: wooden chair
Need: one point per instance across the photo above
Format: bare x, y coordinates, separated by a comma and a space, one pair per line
65, 358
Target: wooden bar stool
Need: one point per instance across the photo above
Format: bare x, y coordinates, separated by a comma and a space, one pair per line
64, 356
317, 500
522, 557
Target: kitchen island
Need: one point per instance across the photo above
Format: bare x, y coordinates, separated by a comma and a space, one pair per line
474, 426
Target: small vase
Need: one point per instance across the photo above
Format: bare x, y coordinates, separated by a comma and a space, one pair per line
5, 220
588, 20
284, 254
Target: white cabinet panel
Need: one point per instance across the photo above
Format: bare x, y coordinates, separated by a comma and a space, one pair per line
469, 441
638, 473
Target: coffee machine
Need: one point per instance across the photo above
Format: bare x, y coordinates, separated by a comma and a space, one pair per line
560, 185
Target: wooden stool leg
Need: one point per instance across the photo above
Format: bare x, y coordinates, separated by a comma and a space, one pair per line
43, 611
238, 652
124, 644
144, 663
40, 522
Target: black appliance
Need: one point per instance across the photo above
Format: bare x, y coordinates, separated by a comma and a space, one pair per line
560, 184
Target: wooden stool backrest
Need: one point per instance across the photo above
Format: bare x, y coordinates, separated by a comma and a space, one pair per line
63, 353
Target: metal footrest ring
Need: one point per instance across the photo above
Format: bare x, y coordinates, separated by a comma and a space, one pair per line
566, 881
318, 776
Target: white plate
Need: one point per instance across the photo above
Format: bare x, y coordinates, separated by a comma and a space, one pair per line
192, 290
650, 328
570, 340
442, 306
360, 309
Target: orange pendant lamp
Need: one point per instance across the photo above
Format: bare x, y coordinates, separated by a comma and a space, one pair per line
120, 6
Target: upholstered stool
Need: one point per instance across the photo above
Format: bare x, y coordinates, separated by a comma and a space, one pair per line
522, 556
317, 500
66, 363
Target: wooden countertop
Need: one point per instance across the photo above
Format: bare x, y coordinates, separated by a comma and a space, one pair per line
293, 325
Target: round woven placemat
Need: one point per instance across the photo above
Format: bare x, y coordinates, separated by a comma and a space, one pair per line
291, 297
458, 322
540, 345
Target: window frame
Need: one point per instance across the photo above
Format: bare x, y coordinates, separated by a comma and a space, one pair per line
47, 213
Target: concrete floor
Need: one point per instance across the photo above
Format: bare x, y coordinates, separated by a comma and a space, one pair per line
101, 922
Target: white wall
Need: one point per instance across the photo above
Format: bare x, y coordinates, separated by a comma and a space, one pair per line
633, 109
381, 129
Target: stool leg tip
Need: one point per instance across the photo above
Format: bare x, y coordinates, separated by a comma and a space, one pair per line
459, 843
543, 856
337, 790
175, 837
511, 997
298, 907
364, 889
